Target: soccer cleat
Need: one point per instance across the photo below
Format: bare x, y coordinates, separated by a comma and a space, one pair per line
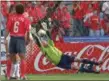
24, 78
18, 78
11, 78
4, 73
8, 78
97, 72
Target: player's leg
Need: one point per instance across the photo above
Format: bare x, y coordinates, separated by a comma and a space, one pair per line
21, 46
22, 66
82, 67
86, 68
66, 62
13, 56
91, 69
71, 60
8, 69
87, 61
8, 63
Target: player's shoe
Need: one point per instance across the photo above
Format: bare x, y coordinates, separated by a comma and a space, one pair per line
8, 78
97, 72
24, 78
18, 78
11, 78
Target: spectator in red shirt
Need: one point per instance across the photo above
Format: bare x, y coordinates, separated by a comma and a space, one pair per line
87, 14
35, 13
57, 32
4, 8
11, 12
78, 9
85, 6
95, 25
96, 5
65, 21
78, 27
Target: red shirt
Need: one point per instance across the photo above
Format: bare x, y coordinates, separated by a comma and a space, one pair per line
18, 25
96, 6
79, 13
64, 16
4, 8
103, 25
66, 20
95, 22
88, 11
9, 15
55, 33
36, 14
28, 9
84, 5
57, 15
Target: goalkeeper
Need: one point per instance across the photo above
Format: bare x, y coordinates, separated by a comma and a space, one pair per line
45, 43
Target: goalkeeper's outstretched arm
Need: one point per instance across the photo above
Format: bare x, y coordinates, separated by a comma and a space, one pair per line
48, 34
37, 41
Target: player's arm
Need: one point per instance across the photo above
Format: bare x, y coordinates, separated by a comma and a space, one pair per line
44, 26
37, 41
6, 41
7, 45
8, 27
50, 41
48, 34
6, 33
28, 29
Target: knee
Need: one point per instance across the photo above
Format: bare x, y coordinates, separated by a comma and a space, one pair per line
77, 60
75, 67
22, 56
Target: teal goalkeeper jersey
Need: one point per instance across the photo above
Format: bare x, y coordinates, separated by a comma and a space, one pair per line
53, 54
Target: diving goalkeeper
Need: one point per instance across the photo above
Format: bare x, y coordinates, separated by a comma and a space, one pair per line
45, 43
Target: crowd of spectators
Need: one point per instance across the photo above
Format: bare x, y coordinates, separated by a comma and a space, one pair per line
90, 18
84, 18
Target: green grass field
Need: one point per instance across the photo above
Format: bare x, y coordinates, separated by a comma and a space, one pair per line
79, 76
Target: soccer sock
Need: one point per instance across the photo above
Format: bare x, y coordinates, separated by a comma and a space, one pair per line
8, 70
91, 66
23, 68
17, 69
82, 67
13, 69
86, 61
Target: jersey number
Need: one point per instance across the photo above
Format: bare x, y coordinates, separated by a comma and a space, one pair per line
16, 27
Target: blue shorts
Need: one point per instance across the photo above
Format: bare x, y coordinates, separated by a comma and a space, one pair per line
17, 45
66, 61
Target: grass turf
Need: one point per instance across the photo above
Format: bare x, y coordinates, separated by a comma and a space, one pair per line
80, 76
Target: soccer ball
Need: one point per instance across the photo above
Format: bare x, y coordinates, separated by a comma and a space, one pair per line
41, 32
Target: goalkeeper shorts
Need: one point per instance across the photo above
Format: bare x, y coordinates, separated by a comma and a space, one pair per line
66, 61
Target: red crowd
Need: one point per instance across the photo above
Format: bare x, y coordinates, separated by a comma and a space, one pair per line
86, 14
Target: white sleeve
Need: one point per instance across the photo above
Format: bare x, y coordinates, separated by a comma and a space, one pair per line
8, 40
104, 6
30, 35
87, 17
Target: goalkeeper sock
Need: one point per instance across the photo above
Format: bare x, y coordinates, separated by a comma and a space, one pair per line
23, 68
86, 61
